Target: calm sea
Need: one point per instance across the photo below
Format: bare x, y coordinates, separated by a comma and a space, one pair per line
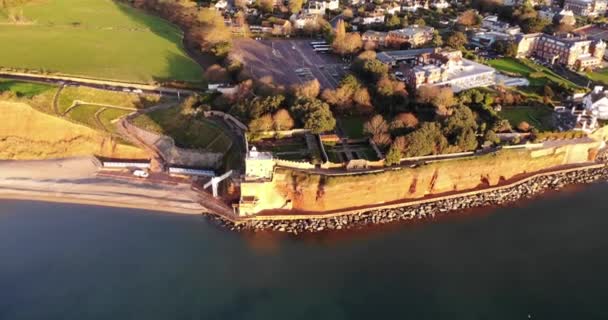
543, 259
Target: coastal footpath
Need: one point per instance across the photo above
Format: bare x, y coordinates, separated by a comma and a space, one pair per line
426, 209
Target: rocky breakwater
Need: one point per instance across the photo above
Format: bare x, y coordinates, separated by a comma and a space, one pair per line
431, 209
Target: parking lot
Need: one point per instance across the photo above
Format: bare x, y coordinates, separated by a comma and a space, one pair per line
290, 62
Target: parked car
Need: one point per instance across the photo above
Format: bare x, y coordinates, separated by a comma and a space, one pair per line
141, 173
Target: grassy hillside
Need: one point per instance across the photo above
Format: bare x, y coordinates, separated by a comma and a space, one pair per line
30, 134
95, 38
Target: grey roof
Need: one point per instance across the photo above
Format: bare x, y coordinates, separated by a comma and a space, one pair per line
397, 55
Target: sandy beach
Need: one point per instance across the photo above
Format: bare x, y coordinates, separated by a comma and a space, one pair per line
75, 180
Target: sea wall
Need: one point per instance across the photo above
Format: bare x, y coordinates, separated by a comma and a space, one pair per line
525, 188
318, 191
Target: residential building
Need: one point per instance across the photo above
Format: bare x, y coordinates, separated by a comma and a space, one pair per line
586, 8
412, 36
448, 68
596, 102
532, 2
395, 57
486, 39
321, 6
576, 53
492, 23
301, 20
440, 4
373, 18
221, 5
376, 37
414, 5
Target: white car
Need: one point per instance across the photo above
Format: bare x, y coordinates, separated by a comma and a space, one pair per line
138, 91
141, 173
398, 73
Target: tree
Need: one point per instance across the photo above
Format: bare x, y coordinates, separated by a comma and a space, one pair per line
457, 40
282, 120
437, 41
314, 114
374, 69
216, 74
347, 13
393, 22
420, 22
212, 33
399, 143
548, 94
533, 25
309, 89
376, 125
467, 140
405, 120
491, 137
345, 43
265, 5
523, 126
428, 139
462, 119
441, 98
469, 18
295, 6
263, 123
261, 106
393, 157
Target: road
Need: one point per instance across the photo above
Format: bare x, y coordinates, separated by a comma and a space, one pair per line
98, 84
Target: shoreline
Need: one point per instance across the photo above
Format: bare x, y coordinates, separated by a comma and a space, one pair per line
532, 187
62, 198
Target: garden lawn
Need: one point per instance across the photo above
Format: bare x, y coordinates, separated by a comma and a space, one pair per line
85, 114
187, 133
108, 116
599, 75
99, 39
352, 127
539, 116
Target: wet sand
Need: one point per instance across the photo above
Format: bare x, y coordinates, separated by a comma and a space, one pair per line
75, 180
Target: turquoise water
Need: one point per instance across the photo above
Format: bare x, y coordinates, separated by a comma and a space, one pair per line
545, 259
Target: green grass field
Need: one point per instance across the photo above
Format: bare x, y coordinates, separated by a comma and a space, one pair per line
537, 116
525, 68
98, 39
114, 98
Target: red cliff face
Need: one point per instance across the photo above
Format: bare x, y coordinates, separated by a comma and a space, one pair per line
314, 192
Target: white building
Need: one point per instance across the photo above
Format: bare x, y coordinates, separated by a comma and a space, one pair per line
596, 102
440, 4
371, 19
493, 24
301, 20
320, 6
221, 5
